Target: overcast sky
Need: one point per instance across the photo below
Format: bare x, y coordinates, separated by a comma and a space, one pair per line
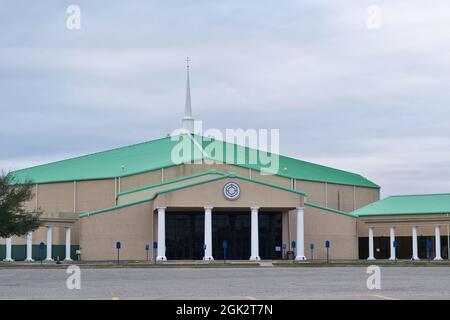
371, 101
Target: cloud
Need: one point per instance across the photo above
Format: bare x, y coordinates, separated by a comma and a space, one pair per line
372, 102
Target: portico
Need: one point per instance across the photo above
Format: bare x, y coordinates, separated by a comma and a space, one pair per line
189, 227
413, 227
250, 233
53, 225
431, 245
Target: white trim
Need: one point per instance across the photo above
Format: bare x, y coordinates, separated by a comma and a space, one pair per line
391, 244
300, 256
371, 251
29, 257
161, 234
254, 235
208, 234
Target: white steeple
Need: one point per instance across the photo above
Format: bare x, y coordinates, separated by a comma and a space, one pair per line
188, 121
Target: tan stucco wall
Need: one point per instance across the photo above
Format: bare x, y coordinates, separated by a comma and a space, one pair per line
132, 226
365, 196
30, 205
140, 180
56, 197
322, 225
211, 194
327, 194
95, 195
150, 193
315, 190
340, 197
281, 181
185, 170
340, 230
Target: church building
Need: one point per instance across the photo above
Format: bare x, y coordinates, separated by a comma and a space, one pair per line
210, 208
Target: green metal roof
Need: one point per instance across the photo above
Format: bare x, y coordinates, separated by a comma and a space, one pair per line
407, 204
156, 154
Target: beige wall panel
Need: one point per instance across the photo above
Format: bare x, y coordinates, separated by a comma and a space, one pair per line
340, 197
95, 195
315, 191
150, 193
211, 194
30, 205
365, 196
132, 226
230, 168
340, 230
273, 179
185, 170
56, 197
140, 180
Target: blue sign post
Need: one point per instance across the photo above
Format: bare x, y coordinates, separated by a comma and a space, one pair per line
118, 246
147, 248
41, 251
311, 247
155, 246
395, 245
327, 245
293, 246
429, 244
225, 247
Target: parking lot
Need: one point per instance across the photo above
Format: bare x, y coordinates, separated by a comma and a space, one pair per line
227, 283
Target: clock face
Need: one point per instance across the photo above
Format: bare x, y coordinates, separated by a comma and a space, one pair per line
231, 191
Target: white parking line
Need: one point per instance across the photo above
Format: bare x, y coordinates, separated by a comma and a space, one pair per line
384, 297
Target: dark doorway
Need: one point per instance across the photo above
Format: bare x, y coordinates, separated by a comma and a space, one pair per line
381, 246
270, 239
184, 235
234, 227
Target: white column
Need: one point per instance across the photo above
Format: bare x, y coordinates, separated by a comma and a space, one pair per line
415, 255
29, 247
208, 234
255, 235
300, 234
371, 256
68, 234
392, 239
161, 234
437, 234
8, 257
49, 244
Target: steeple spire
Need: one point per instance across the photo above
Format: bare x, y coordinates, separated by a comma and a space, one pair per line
188, 121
